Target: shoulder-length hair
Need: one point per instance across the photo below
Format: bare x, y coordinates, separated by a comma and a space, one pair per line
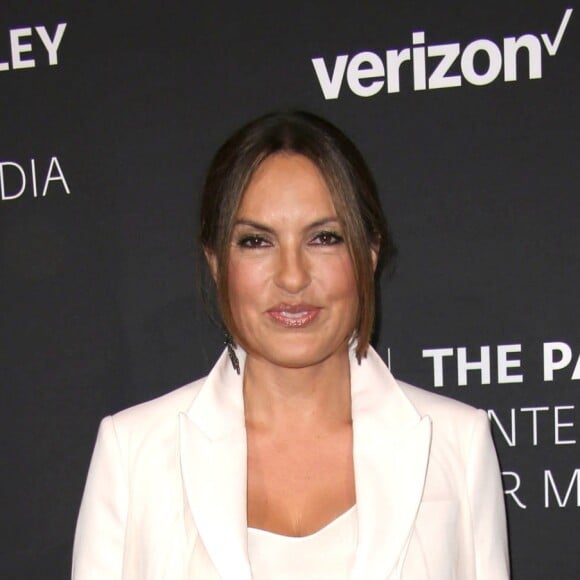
347, 177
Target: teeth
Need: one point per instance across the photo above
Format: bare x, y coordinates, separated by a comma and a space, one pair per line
293, 314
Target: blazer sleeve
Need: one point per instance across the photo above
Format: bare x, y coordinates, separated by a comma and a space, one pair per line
486, 500
100, 531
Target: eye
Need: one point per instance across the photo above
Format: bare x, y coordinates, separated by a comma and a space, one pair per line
253, 241
326, 238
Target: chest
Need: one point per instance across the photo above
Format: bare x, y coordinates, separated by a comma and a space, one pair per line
296, 485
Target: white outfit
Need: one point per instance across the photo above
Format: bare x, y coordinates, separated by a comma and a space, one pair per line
328, 554
165, 497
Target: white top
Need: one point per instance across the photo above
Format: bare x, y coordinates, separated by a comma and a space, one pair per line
324, 555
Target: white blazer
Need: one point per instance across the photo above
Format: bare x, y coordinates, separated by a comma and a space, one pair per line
165, 497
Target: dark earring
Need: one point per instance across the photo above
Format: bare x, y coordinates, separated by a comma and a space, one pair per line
229, 342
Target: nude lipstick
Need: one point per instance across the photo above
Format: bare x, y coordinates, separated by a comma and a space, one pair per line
294, 315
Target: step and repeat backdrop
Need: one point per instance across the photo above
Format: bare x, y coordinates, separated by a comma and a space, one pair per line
109, 114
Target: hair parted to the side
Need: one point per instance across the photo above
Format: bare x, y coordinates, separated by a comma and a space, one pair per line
347, 177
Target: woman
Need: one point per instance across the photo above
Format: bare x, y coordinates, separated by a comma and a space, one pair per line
299, 455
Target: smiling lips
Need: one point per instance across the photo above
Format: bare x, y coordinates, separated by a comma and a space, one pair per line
294, 315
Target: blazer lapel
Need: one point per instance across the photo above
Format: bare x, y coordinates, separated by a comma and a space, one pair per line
213, 464
391, 450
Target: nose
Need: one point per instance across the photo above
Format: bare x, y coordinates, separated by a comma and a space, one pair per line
292, 271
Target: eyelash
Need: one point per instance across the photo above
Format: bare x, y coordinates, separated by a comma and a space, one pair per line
252, 241
257, 241
332, 238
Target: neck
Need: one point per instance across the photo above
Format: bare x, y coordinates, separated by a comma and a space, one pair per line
317, 396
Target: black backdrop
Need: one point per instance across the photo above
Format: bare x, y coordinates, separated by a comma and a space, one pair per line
106, 127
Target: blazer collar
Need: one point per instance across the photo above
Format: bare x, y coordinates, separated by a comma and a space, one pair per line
391, 447
213, 456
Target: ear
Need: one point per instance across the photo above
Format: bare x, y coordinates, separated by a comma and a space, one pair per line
211, 262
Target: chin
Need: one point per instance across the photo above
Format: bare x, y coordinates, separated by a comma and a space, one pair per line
299, 354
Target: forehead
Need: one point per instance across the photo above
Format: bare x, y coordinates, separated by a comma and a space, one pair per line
287, 184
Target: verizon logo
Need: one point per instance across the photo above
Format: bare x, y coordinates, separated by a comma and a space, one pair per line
438, 66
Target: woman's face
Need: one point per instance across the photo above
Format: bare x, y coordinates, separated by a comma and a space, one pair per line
292, 290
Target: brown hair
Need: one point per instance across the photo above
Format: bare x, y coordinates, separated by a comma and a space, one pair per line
347, 177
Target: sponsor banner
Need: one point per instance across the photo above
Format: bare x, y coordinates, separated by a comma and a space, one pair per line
32, 178
424, 66
32, 46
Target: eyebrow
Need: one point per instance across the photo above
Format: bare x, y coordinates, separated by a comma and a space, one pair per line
263, 227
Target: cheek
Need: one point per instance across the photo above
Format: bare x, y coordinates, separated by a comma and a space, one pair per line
246, 280
338, 277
